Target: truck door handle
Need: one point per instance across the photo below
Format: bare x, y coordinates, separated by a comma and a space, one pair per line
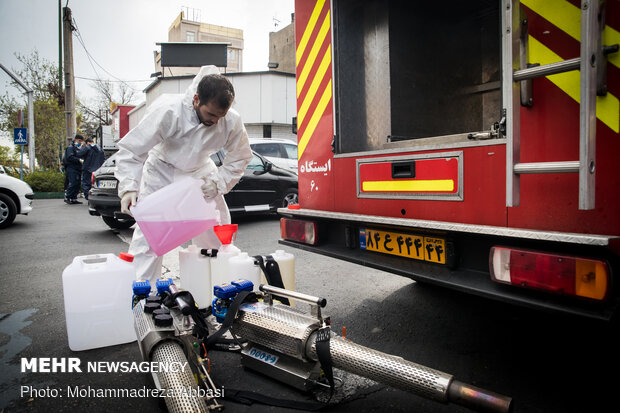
403, 169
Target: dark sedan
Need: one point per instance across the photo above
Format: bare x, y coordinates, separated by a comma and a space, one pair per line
263, 188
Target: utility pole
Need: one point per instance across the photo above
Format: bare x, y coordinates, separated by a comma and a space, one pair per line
70, 119
59, 46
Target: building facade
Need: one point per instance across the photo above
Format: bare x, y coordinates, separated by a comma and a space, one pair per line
265, 100
184, 30
282, 48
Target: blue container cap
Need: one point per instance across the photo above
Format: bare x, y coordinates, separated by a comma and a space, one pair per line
225, 291
141, 287
243, 285
162, 285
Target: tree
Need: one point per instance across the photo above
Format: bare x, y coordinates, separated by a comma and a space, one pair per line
49, 121
7, 157
96, 110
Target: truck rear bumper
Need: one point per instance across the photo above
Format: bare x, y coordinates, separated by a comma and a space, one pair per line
469, 271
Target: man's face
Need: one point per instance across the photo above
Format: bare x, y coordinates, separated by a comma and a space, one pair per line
210, 113
79, 142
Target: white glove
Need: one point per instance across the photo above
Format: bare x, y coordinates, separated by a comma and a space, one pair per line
129, 198
209, 188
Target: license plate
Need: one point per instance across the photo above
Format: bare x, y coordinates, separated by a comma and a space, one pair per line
107, 184
418, 247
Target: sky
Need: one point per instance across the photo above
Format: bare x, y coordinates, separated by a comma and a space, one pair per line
121, 35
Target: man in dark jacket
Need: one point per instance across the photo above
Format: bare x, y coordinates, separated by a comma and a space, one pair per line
93, 158
73, 170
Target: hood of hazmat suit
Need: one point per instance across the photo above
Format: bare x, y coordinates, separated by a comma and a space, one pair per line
170, 143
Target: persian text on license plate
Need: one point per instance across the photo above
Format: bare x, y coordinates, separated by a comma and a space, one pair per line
108, 184
418, 247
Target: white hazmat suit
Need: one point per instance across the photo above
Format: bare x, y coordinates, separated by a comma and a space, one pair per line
170, 143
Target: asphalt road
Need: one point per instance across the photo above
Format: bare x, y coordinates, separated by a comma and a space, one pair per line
547, 363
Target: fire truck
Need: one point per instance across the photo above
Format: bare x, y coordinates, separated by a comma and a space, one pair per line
471, 144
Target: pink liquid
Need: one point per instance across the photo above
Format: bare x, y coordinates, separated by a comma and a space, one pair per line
166, 236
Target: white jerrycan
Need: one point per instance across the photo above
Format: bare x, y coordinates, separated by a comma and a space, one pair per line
286, 262
243, 266
97, 292
195, 274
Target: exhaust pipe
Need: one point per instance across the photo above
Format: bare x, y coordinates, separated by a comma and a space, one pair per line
405, 375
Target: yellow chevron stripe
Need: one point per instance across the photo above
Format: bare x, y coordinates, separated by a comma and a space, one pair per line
313, 53
316, 117
560, 13
318, 78
611, 36
422, 185
309, 29
607, 107
567, 18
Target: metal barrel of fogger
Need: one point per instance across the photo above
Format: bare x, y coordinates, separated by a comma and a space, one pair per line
161, 346
396, 371
176, 384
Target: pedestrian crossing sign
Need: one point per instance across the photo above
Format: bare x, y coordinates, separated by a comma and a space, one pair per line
20, 136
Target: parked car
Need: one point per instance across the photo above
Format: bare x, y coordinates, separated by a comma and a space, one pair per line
263, 188
280, 152
103, 197
15, 198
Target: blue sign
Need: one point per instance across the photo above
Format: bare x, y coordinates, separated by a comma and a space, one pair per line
20, 136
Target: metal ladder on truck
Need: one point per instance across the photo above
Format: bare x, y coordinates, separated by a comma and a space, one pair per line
516, 85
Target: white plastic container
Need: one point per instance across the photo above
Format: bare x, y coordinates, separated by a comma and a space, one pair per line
243, 266
286, 262
220, 271
195, 274
97, 292
175, 214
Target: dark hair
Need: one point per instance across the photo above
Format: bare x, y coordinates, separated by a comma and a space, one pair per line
78, 136
89, 140
216, 88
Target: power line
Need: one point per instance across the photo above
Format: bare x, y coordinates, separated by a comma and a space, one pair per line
114, 81
92, 60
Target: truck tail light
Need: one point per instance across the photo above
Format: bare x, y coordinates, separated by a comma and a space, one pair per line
92, 178
562, 274
298, 230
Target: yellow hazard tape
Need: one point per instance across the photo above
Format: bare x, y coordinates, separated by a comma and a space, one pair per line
316, 117
567, 18
309, 29
313, 53
422, 185
607, 107
314, 86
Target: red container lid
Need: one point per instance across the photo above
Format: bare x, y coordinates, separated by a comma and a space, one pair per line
125, 256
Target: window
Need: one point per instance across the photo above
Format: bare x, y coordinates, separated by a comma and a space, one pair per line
266, 131
291, 151
232, 54
268, 149
190, 37
401, 74
256, 164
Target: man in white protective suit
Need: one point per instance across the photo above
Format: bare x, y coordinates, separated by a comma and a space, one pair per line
175, 139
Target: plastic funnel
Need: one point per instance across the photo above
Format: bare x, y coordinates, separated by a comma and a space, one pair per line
225, 233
